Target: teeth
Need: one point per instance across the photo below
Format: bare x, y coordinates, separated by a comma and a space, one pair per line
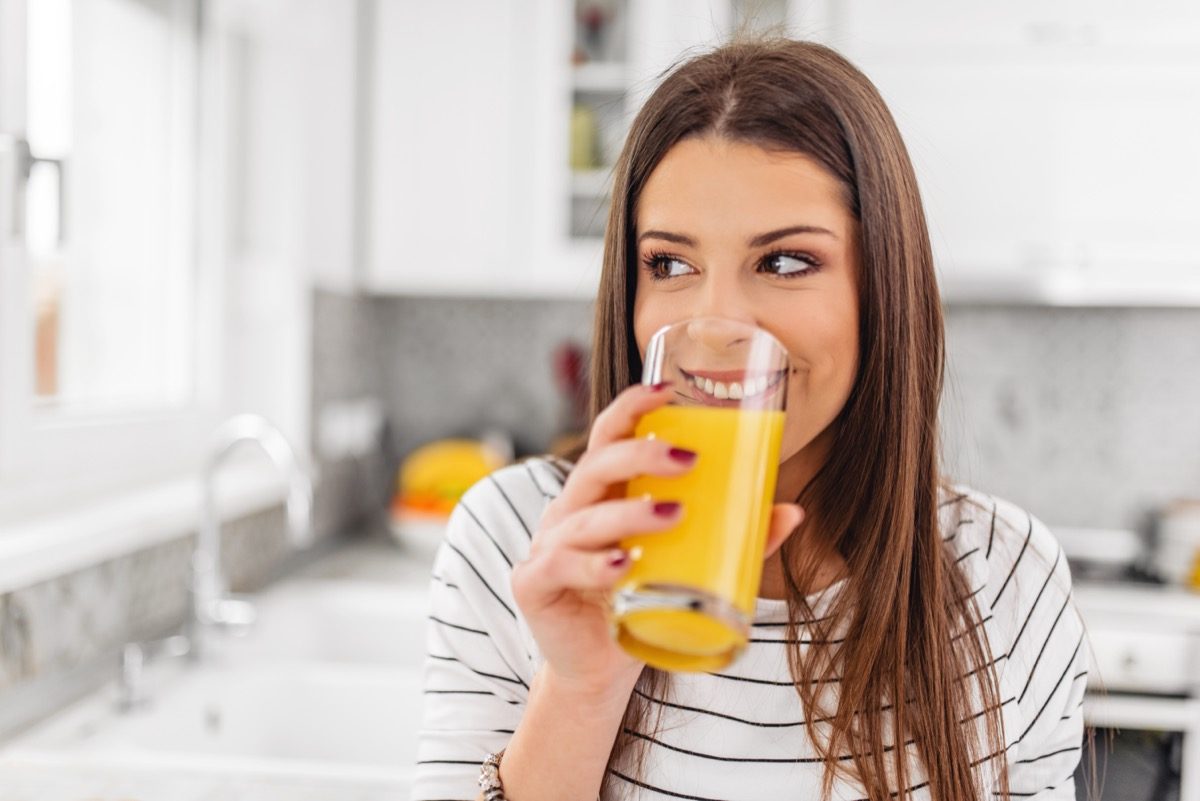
732, 390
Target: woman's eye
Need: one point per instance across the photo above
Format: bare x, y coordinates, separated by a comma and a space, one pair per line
661, 266
790, 264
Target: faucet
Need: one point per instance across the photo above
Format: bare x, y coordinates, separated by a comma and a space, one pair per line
211, 606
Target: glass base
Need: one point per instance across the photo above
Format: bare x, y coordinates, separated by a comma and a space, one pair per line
678, 628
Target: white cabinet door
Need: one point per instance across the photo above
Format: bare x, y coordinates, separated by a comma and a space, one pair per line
981, 139
441, 180
664, 32
959, 25
1129, 164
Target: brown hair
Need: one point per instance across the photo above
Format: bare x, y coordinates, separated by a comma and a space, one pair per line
912, 632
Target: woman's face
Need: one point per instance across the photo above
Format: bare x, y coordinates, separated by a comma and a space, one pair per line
729, 229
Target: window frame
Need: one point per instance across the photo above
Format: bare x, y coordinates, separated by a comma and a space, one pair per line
51, 458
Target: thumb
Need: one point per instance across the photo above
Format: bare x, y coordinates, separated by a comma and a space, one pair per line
785, 518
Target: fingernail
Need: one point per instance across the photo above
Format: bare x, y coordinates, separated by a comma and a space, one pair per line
667, 508
682, 455
618, 558
660, 386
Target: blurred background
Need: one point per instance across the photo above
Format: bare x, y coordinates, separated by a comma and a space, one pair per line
366, 235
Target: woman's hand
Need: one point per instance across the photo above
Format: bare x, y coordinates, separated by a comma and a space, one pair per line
575, 558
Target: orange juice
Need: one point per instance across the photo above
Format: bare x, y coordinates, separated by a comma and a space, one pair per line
689, 597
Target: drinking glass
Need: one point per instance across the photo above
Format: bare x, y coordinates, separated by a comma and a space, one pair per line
688, 600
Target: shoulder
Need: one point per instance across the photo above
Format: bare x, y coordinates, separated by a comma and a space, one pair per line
1016, 568
497, 515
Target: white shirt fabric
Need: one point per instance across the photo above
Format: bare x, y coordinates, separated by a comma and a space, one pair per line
738, 734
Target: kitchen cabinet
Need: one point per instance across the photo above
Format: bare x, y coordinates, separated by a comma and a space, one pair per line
444, 185
1052, 142
470, 186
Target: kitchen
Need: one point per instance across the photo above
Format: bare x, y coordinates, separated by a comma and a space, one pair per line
361, 228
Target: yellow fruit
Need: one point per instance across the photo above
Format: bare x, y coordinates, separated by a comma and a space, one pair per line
437, 474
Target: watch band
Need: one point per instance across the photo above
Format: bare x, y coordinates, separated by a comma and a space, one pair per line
489, 777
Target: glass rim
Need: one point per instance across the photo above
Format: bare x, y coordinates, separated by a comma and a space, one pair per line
656, 339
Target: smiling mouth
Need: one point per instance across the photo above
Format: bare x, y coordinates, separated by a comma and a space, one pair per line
728, 387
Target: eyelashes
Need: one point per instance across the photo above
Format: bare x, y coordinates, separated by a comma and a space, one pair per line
656, 261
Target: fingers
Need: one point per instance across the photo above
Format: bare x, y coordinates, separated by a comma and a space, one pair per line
785, 519
542, 579
598, 470
604, 524
619, 418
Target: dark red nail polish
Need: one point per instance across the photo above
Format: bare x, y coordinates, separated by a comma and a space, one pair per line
666, 508
618, 559
682, 455
660, 386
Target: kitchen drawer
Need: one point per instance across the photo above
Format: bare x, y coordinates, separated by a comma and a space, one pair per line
1132, 660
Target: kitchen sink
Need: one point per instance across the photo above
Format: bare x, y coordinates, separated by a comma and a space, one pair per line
356, 721
324, 687
337, 621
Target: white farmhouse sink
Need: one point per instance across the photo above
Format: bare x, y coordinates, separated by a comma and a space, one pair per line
338, 621
341, 719
325, 687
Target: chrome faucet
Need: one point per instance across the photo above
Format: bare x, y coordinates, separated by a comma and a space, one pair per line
211, 605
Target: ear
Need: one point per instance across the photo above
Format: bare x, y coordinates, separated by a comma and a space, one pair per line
785, 519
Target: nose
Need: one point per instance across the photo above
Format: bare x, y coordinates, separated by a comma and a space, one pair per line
725, 316
719, 333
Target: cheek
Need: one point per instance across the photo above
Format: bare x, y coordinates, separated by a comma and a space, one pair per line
827, 356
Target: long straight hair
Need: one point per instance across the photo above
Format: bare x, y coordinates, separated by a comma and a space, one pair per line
912, 641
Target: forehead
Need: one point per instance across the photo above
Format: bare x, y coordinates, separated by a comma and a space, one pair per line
706, 185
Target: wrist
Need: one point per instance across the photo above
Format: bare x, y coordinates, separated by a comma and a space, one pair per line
591, 694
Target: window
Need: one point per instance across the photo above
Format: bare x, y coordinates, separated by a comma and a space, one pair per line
102, 362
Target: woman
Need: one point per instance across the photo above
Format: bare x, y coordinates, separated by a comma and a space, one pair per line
765, 182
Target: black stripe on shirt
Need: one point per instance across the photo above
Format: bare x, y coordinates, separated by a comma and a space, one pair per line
952, 501
1047, 756
438, 620
832, 680
760, 760
1015, 794
442, 581
559, 472
757, 723
954, 533
471, 692
802, 641
479, 575
1033, 606
965, 555
1042, 650
1012, 572
509, 679
1054, 689
537, 483
516, 514
487, 533
992, 533
659, 790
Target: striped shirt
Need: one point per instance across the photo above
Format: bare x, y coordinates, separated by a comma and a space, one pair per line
740, 733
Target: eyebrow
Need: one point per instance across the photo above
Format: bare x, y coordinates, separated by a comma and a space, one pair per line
754, 242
